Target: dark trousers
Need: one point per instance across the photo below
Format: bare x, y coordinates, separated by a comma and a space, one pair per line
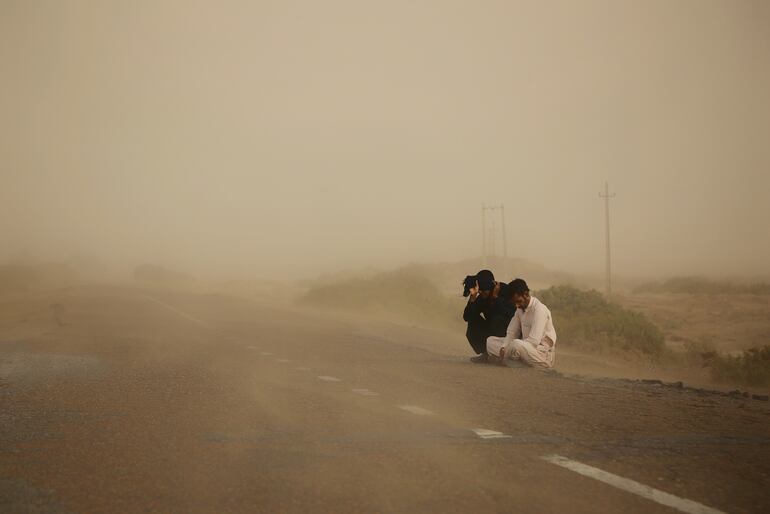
477, 334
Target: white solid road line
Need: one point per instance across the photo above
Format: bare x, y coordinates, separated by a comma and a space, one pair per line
490, 434
365, 392
327, 378
174, 310
631, 486
414, 409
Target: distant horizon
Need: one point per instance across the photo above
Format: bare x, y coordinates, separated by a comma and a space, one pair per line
125, 270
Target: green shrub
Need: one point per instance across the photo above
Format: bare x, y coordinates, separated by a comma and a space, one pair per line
751, 368
588, 319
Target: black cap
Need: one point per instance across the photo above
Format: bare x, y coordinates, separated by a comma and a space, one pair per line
486, 280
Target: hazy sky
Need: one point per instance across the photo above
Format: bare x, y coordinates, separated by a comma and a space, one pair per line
297, 137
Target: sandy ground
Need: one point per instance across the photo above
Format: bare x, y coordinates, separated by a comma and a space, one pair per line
728, 323
122, 400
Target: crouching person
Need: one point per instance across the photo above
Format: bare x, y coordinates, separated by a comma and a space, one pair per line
488, 313
531, 337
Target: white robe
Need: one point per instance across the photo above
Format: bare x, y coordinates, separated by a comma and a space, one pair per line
531, 337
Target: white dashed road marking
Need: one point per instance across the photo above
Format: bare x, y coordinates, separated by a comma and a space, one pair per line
265, 353
631, 486
282, 360
414, 409
252, 348
490, 434
326, 378
302, 368
365, 392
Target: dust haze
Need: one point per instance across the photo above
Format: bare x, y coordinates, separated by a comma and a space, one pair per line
233, 235
295, 138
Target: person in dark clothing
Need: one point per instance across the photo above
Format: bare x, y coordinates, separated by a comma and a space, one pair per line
488, 313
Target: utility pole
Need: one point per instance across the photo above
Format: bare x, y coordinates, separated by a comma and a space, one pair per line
488, 241
607, 197
483, 236
505, 243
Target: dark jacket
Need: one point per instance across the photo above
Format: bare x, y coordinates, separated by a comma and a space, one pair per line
488, 317
499, 316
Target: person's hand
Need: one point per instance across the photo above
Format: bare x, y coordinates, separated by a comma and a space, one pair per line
474, 291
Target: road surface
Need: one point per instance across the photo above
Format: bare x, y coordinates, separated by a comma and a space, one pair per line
123, 400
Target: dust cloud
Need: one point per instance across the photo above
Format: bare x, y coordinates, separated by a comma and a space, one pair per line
288, 139
232, 237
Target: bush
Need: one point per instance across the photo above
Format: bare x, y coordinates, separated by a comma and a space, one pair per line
751, 368
403, 293
582, 317
587, 318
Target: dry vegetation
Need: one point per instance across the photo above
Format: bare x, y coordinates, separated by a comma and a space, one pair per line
701, 285
403, 294
583, 318
722, 326
681, 329
680, 322
751, 368
587, 319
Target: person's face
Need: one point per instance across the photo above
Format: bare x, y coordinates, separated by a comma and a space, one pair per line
521, 300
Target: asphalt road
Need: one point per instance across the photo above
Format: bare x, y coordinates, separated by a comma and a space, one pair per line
121, 400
